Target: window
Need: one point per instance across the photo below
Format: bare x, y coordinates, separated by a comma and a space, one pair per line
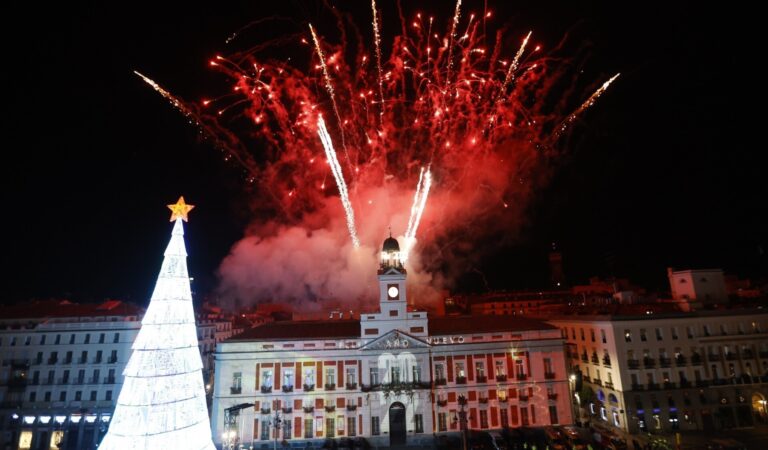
63, 396
287, 428
592, 334
42, 339
602, 336
524, 416
442, 423
643, 336
581, 332
460, 369
416, 372
395, 374
375, 430
32, 397
101, 338
483, 418
500, 368
374, 375
93, 396
108, 397
519, 370
627, 336
658, 334
573, 333
548, 366
439, 372
309, 432
417, 329
309, 376
288, 377
330, 376
83, 357
116, 338
553, 415
237, 381
27, 340
113, 357
264, 434
371, 331
87, 339
71, 338
723, 329
351, 426
65, 377
96, 375
330, 429
47, 396
502, 395
480, 368
393, 313
58, 339
418, 423
78, 396
266, 378
99, 356
691, 332
504, 417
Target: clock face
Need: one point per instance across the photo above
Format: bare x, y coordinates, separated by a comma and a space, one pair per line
392, 292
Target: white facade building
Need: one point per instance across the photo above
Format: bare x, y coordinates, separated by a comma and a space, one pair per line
61, 372
699, 287
395, 376
670, 371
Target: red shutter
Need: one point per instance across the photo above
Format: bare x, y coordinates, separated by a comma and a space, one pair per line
472, 396
277, 377
257, 376
494, 417
491, 394
450, 368
473, 418
533, 413
296, 426
470, 369
513, 414
319, 374
510, 366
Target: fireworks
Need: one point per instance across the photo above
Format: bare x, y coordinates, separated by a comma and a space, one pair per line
330, 153
479, 119
417, 209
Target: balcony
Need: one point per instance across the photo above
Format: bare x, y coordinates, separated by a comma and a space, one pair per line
97, 360
440, 382
266, 410
109, 380
748, 354
330, 386
93, 380
552, 395
609, 385
521, 377
731, 356
287, 410
680, 360
713, 357
597, 381
308, 409
523, 397
595, 359
685, 384
63, 381
462, 400
482, 400
637, 387
235, 390
653, 386
17, 383
309, 387
112, 360
266, 389
82, 360
633, 363
330, 408
503, 399
351, 407
287, 388
549, 375
52, 360
351, 386
664, 362
669, 385
67, 360
481, 379
78, 381
461, 380
442, 402
649, 363
696, 359
606, 361
584, 357
501, 377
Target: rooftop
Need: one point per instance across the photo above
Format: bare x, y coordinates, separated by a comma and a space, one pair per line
38, 310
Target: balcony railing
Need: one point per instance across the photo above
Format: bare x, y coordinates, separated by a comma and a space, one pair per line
308, 409
462, 400
607, 362
330, 386
234, 390
731, 356
680, 360
702, 383
748, 354
266, 389
595, 359
763, 354
503, 399
685, 384
669, 385
440, 381
351, 407
287, 410
481, 379
82, 360
664, 362
78, 381
549, 375
112, 360
649, 362
330, 408
501, 377
696, 359
67, 360
266, 410
521, 376
633, 363
653, 386
584, 357
351, 386
637, 387
609, 385
523, 397
713, 357
309, 387
442, 402
461, 380
482, 400
53, 360
287, 388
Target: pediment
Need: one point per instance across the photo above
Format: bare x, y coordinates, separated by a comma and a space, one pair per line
395, 340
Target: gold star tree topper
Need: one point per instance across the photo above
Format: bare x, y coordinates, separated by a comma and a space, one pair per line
180, 210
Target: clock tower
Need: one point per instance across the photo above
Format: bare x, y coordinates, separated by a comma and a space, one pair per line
393, 311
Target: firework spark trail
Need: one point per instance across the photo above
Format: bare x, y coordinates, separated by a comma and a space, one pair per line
419, 203
331, 92
330, 153
377, 45
452, 38
584, 106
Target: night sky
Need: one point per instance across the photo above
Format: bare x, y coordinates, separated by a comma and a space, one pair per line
666, 170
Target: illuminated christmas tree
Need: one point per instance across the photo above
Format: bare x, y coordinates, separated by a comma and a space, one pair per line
162, 403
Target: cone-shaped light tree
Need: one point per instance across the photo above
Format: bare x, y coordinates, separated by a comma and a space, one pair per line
162, 403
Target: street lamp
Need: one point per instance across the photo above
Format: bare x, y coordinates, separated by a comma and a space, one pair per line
462, 419
277, 424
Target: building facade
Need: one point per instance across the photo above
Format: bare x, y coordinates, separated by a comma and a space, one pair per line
670, 371
61, 373
395, 376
